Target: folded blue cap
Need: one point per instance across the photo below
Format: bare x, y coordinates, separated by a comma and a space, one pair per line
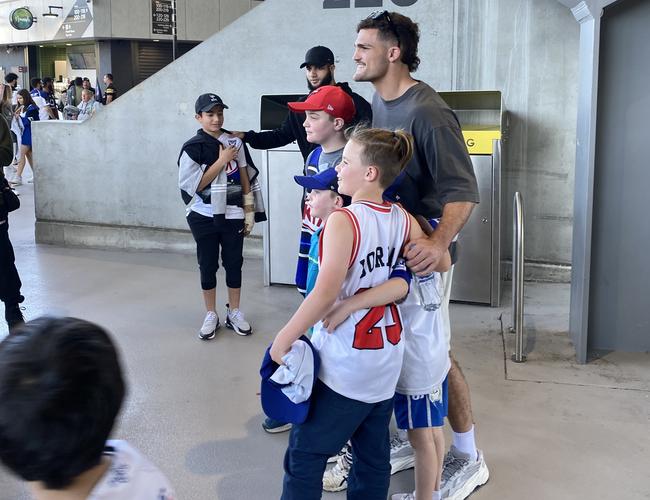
275, 402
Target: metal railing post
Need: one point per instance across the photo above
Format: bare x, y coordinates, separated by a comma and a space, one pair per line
518, 277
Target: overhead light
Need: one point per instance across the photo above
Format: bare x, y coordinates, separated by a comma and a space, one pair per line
50, 13
156, 40
68, 45
41, 45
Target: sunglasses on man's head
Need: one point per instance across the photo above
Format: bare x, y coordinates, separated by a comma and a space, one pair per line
380, 15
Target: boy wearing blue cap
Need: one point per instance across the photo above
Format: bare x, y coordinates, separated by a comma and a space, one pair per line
322, 199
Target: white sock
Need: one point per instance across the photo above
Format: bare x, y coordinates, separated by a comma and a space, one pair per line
464, 441
436, 495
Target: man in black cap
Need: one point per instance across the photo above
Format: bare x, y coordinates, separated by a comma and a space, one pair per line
319, 71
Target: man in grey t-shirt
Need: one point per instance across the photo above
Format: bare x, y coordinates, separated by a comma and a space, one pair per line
439, 182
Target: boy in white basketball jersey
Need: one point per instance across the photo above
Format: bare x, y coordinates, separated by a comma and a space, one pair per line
361, 360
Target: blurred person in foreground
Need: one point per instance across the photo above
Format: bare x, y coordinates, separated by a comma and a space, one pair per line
61, 387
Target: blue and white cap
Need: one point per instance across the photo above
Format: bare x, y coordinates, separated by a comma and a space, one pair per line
286, 389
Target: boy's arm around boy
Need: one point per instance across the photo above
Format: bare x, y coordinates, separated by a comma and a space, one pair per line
337, 241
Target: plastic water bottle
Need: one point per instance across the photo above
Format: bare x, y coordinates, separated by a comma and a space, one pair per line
430, 290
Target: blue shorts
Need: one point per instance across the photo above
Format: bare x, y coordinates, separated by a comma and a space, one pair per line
425, 410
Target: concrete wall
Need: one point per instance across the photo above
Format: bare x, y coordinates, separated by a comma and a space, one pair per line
197, 20
528, 49
127, 175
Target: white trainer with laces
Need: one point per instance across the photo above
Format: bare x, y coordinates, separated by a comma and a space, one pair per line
336, 478
342, 451
403, 496
461, 475
402, 456
210, 326
235, 321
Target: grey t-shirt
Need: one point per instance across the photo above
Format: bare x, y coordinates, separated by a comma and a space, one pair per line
325, 161
441, 170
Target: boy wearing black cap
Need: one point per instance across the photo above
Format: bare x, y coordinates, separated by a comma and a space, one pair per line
221, 190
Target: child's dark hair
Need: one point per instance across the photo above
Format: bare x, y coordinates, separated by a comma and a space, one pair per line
61, 388
401, 29
388, 151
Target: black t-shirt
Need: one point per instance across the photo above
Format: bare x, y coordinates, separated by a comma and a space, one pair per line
110, 90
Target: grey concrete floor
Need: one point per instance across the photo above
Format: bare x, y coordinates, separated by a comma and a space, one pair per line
550, 429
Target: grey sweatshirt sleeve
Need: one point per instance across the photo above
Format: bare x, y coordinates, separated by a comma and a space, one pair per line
447, 158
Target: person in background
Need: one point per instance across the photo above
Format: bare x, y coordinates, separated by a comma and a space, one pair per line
48, 94
86, 85
11, 80
39, 100
74, 92
88, 106
110, 94
9, 279
26, 113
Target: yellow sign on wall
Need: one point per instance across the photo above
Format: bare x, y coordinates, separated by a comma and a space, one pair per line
479, 140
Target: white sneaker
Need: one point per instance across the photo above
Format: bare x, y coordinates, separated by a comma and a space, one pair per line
342, 451
403, 496
402, 456
336, 478
16, 181
235, 321
461, 475
210, 326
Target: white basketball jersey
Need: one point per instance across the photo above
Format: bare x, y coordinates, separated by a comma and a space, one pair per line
426, 350
362, 358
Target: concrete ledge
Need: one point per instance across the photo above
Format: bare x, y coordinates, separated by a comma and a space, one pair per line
80, 234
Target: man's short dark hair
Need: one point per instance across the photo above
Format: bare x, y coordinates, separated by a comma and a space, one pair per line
47, 80
78, 81
398, 28
109, 76
61, 388
35, 82
11, 77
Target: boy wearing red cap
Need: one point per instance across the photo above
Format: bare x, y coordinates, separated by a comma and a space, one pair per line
329, 110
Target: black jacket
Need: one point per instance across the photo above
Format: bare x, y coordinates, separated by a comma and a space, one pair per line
292, 129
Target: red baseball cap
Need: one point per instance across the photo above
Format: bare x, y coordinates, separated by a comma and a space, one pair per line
329, 98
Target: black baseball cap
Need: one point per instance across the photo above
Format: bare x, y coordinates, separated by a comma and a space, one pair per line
206, 102
318, 56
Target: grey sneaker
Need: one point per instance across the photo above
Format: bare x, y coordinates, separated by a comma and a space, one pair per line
235, 321
336, 478
401, 455
209, 327
461, 475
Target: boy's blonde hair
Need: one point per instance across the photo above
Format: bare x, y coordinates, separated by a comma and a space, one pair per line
387, 150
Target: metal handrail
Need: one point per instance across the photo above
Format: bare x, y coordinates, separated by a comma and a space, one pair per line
518, 277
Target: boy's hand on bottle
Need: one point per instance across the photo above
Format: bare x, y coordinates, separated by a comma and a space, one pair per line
423, 255
336, 315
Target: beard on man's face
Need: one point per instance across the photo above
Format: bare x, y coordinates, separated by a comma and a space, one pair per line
325, 81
